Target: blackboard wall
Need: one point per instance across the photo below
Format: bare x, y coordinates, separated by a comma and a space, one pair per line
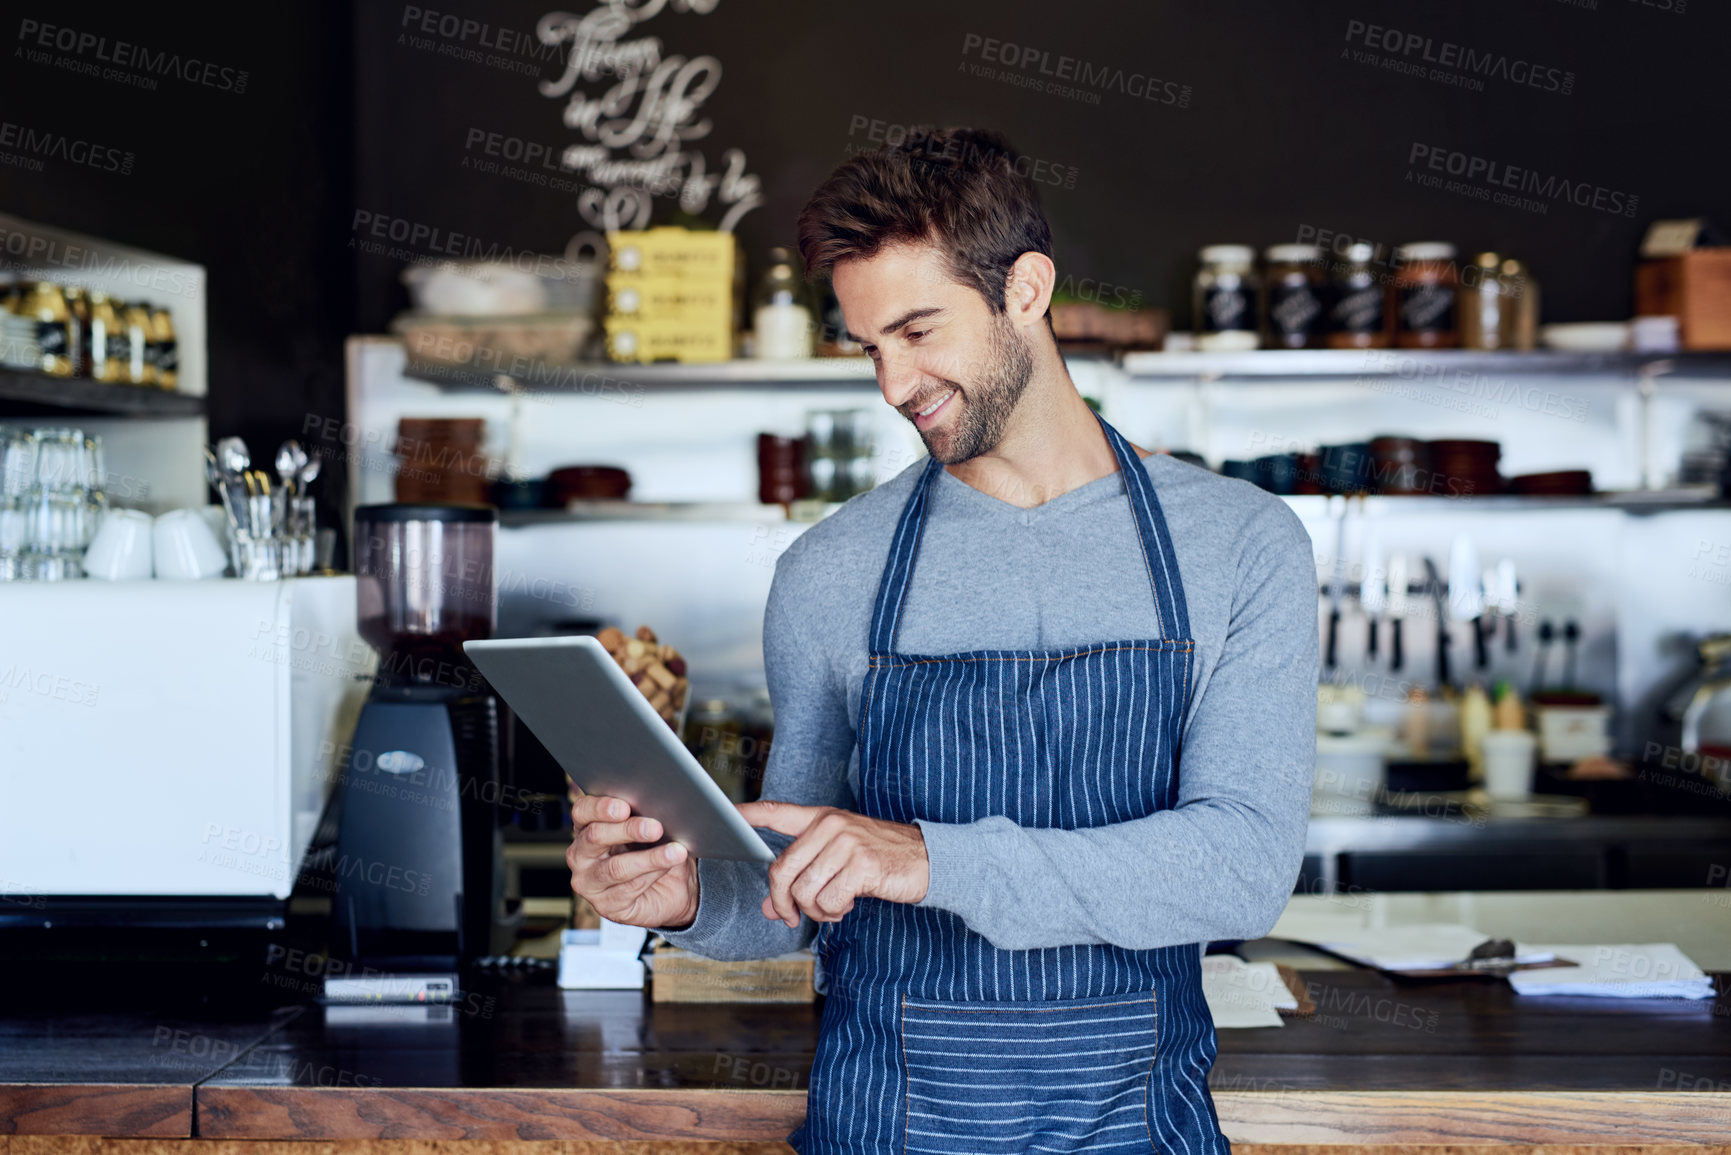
237, 158
1269, 122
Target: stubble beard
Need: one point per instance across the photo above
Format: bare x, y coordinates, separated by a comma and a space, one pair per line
987, 405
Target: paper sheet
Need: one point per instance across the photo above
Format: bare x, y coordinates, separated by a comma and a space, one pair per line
1241, 994
1653, 970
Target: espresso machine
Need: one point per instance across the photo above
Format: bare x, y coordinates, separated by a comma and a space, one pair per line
419, 871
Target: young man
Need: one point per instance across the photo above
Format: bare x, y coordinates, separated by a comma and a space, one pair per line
984, 672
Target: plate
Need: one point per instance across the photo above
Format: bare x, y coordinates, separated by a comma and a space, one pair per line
1586, 336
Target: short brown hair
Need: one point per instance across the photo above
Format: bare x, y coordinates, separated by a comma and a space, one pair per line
963, 189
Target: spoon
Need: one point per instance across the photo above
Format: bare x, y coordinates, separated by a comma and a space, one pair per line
232, 454
213, 475
309, 472
290, 458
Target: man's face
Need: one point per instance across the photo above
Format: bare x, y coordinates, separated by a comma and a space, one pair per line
944, 360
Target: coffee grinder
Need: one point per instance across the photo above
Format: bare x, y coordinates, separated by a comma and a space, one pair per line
419, 881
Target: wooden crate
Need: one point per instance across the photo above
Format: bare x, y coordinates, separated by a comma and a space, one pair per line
678, 976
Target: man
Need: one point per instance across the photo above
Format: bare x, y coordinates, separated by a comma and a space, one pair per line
983, 674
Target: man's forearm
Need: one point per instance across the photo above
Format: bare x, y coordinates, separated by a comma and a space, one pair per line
1193, 874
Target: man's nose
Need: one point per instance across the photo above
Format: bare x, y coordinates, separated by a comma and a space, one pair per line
899, 378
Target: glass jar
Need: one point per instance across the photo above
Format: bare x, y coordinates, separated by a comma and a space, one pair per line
1225, 299
782, 314
1292, 295
78, 328
164, 350
712, 734
1523, 320
135, 319
56, 329
1358, 315
108, 347
1425, 284
1486, 312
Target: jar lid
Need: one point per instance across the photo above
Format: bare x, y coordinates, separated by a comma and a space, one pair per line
1427, 251
1299, 254
1227, 254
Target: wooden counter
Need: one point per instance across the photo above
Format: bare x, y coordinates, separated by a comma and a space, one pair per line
524, 1065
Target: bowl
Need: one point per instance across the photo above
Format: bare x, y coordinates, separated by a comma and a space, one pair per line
1586, 336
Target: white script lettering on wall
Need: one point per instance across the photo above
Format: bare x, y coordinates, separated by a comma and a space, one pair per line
639, 130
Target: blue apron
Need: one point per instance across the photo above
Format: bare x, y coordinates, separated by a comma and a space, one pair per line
934, 1040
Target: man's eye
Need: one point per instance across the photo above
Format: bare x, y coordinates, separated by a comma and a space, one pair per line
914, 336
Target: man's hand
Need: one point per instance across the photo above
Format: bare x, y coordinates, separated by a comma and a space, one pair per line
655, 888
836, 857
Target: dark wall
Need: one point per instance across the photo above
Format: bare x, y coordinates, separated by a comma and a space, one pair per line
246, 175
1264, 127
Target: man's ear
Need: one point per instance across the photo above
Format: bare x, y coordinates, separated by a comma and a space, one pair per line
1028, 288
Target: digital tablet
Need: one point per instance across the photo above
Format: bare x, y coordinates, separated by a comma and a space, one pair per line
608, 738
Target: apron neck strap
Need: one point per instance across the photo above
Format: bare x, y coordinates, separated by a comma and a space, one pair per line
1156, 541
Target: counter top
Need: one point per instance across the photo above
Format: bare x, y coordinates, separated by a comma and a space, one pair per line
1380, 1062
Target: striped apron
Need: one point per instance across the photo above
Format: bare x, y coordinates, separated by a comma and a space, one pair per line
934, 1040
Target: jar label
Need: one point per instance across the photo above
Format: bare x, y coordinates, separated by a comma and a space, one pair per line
1224, 310
1358, 311
1427, 309
1293, 310
51, 336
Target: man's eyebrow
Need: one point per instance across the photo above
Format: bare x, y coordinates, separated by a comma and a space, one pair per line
905, 319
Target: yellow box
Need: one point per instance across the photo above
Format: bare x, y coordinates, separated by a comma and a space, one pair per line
668, 298
674, 252
630, 340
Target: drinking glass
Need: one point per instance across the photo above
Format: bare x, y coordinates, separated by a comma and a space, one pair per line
17, 473
59, 509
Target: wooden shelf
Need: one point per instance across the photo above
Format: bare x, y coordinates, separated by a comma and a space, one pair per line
27, 394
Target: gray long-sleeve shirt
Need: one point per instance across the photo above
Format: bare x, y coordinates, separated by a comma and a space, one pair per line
991, 575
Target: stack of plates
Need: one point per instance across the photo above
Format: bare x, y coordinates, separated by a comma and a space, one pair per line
1466, 468
1559, 483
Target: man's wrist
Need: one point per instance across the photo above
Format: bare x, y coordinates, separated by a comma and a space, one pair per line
696, 901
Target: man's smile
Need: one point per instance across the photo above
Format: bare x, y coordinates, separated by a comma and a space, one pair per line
927, 417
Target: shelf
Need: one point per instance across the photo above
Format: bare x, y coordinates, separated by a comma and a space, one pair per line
1632, 502
1306, 505
1414, 364
45, 395
606, 378
663, 511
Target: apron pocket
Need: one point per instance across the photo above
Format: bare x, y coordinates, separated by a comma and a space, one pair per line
1048, 1075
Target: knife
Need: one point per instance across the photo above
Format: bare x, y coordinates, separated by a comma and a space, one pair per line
1508, 599
1493, 607
1372, 591
1336, 586
1467, 595
1396, 607
1434, 583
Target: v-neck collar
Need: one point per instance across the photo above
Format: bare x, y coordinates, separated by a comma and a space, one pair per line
954, 488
